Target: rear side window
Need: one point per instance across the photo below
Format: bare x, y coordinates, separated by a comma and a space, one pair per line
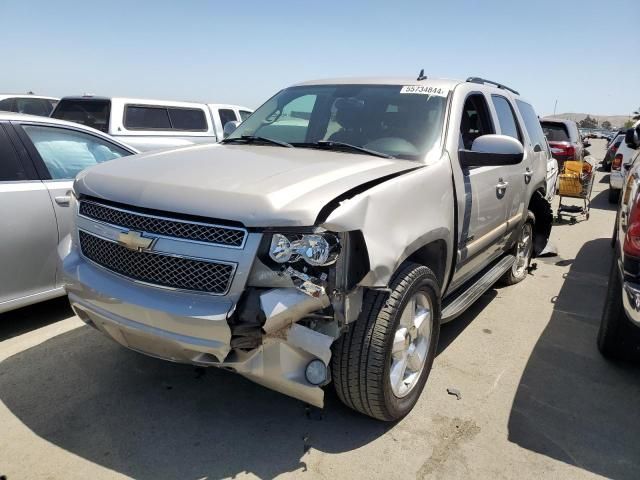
146, 118
92, 113
188, 119
532, 124
244, 115
227, 115
506, 117
150, 117
10, 166
555, 131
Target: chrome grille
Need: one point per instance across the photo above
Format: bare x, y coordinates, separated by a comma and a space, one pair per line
158, 269
200, 232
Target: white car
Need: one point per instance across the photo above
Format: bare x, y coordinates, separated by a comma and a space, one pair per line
150, 124
39, 158
27, 103
619, 167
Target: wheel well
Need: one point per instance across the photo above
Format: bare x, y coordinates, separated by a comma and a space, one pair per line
541, 208
434, 256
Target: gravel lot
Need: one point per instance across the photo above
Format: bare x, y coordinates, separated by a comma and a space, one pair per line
537, 400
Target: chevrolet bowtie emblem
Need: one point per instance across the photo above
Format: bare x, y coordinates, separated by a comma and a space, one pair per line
135, 241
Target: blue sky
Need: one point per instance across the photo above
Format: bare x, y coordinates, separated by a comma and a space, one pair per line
244, 51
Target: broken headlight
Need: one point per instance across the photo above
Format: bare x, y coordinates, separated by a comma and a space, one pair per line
317, 249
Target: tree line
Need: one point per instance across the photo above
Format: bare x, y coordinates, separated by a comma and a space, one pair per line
590, 122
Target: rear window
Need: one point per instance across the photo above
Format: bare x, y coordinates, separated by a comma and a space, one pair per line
92, 113
555, 132
147, 117
33, 106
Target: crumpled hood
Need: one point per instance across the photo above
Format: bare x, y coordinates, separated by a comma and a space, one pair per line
260, 186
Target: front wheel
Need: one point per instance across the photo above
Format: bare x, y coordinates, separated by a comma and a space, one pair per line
523, 252
618, 338
380, 366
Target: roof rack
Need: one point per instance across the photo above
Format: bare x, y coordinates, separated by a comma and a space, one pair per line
484, 80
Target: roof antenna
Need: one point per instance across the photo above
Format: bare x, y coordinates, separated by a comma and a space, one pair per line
421, 75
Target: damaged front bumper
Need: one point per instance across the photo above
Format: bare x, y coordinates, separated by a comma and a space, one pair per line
205, 330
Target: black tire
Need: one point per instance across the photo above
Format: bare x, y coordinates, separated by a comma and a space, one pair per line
361, 358
618, 338
614, 195
511, 277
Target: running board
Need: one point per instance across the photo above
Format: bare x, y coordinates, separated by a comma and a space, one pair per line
459, 302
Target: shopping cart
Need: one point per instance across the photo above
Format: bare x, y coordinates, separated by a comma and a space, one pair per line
575, 181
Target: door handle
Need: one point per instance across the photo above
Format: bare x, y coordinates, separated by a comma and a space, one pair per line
501, 187
63, 200
527, 175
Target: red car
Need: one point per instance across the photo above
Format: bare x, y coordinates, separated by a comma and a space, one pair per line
564, 139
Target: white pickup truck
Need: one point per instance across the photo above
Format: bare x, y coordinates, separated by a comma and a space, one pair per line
151, 124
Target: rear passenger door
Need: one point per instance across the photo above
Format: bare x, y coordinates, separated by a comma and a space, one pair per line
518, 176
28, 230
542, 161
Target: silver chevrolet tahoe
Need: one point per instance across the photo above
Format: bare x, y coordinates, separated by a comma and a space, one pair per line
325, 240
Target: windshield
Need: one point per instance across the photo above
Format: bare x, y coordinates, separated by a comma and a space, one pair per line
380, 118
92, 113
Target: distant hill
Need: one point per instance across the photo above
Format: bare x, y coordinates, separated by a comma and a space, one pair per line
617, 121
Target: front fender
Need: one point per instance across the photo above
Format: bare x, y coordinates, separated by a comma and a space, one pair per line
398, 217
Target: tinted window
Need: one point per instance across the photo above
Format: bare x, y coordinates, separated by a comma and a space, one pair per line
146, 118
555, 131
506, 117
227, 116
10, 167
92, 113
532, 124
187, 119
66, 153
33, 106
244, 115
476, 120
7, 105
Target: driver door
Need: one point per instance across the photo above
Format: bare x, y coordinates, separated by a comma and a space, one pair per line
483, 205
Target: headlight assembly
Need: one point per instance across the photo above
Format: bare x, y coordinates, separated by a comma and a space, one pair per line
316, 249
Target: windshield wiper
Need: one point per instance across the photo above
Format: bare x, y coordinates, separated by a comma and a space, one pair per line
331, 145
254, 139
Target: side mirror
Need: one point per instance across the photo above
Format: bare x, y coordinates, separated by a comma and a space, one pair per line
229, 128
492, 150
632, 137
